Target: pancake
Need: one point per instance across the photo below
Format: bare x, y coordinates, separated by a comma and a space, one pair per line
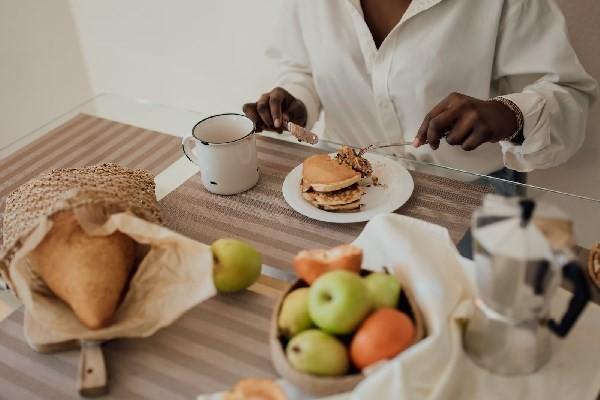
347, 195
355, 160
332, 184
321, 173
350, 207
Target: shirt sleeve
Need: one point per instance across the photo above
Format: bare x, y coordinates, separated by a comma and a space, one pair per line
290, 53
537, 66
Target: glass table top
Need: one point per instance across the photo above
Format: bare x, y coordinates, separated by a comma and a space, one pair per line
584, 210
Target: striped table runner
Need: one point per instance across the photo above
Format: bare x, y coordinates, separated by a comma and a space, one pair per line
88, 140
209, 349
262, 217
225, 338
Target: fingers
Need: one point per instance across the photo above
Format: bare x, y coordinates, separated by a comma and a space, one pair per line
275, 104
475, 139
421, 137
264, 110
463, 120
296, 112
463, 127
274, 109
439, 125
250, 110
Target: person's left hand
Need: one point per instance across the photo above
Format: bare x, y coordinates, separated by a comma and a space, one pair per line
467, 122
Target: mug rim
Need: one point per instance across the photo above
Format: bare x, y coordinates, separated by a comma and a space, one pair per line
221, 143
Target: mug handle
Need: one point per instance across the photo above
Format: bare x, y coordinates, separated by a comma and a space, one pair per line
188, 144
581, 295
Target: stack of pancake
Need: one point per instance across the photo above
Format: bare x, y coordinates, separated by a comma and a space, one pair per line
331, 185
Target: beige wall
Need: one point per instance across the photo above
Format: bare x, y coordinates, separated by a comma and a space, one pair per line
199, 54
42, 72
582, 173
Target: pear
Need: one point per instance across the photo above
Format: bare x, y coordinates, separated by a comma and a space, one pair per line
384, 289
318, 353
293, 316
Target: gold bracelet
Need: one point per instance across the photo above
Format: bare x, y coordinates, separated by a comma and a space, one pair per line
518, 115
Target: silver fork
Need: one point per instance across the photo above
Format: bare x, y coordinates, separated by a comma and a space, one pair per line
372, 147
383, 146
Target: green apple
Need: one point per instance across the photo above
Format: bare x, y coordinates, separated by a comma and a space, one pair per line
293, 316
338, 301
237, 265
318, 353
384, 289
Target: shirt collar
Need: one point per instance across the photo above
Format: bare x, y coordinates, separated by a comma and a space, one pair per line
415, 7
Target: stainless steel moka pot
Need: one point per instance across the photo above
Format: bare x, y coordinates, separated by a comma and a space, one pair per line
522, 251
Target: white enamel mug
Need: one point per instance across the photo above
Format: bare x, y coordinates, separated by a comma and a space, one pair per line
224, 147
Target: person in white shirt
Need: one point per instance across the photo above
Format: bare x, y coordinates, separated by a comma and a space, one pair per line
489, 85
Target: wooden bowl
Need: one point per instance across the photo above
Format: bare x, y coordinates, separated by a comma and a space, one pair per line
324, 385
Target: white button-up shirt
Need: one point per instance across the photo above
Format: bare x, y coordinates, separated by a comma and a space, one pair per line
517, 48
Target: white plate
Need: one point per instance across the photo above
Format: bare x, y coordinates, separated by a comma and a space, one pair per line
396, 187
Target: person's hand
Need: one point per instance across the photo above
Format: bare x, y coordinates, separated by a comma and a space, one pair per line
467, 122
274, 108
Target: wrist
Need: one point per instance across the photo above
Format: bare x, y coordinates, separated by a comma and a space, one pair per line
515, 133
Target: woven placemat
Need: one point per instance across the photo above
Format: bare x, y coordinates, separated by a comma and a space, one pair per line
87, 140
262, 217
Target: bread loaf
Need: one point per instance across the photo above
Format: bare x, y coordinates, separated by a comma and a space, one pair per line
89, 273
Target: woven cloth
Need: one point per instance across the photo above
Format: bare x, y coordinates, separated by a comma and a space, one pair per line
262, 217
110, 186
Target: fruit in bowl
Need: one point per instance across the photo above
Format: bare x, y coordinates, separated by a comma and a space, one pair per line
339, 301
384, 289
311, 264
318, 353
294, 317
360, 316
383, 335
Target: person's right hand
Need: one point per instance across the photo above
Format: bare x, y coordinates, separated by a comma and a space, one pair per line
274, 109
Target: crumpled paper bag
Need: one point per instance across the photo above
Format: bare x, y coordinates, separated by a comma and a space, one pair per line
174, 276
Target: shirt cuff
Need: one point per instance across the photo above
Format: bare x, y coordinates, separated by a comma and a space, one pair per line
536, 131
305, 95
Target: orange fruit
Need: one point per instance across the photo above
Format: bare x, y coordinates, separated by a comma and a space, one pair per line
382, 335
311, 264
